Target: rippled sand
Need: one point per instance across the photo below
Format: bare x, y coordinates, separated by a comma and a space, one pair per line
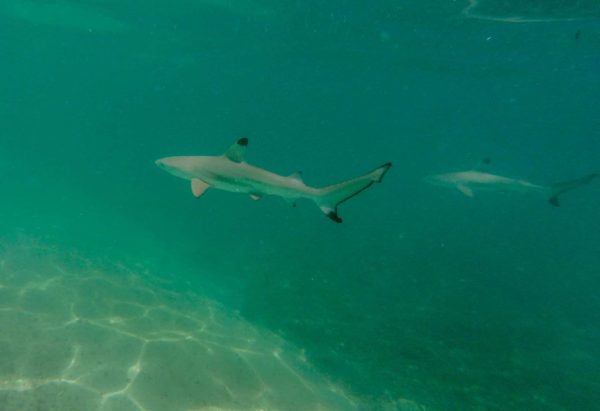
79, 337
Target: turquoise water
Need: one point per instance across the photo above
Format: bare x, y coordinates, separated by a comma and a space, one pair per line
423, 299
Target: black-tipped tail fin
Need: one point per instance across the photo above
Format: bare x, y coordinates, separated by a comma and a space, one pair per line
554, 201
332, 214
562, 187
332, 196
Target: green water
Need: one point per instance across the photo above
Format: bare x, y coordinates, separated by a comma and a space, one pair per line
423, 299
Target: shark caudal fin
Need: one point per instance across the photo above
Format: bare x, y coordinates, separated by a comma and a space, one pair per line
560, 188
331, 196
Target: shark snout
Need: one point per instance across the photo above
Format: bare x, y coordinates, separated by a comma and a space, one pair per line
174, 165
165, 163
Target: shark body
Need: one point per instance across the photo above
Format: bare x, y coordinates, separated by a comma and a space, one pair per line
473, 180
230, 172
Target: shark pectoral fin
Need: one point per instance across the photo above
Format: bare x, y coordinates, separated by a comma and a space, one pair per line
199, 187
255, 197
237, 152
465, 190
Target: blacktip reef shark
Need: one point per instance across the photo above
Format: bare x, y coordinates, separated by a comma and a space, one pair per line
230, 172
473, 180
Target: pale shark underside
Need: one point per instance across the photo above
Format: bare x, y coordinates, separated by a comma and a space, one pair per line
230, 172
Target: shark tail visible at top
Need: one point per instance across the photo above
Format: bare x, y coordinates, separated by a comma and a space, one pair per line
331, 196
562, 187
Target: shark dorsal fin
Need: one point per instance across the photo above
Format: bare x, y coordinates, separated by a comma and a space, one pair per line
237, 152
199, 187
483, 165
297, 176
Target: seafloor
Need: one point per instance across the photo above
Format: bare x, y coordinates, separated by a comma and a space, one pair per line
82, 336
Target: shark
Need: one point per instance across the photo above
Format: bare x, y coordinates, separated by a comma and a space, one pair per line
231, 172
473, 180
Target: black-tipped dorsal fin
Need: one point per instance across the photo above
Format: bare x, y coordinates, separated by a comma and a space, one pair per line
484, 164
297, 176
237, 152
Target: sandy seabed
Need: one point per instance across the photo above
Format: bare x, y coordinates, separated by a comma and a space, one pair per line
75, 336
